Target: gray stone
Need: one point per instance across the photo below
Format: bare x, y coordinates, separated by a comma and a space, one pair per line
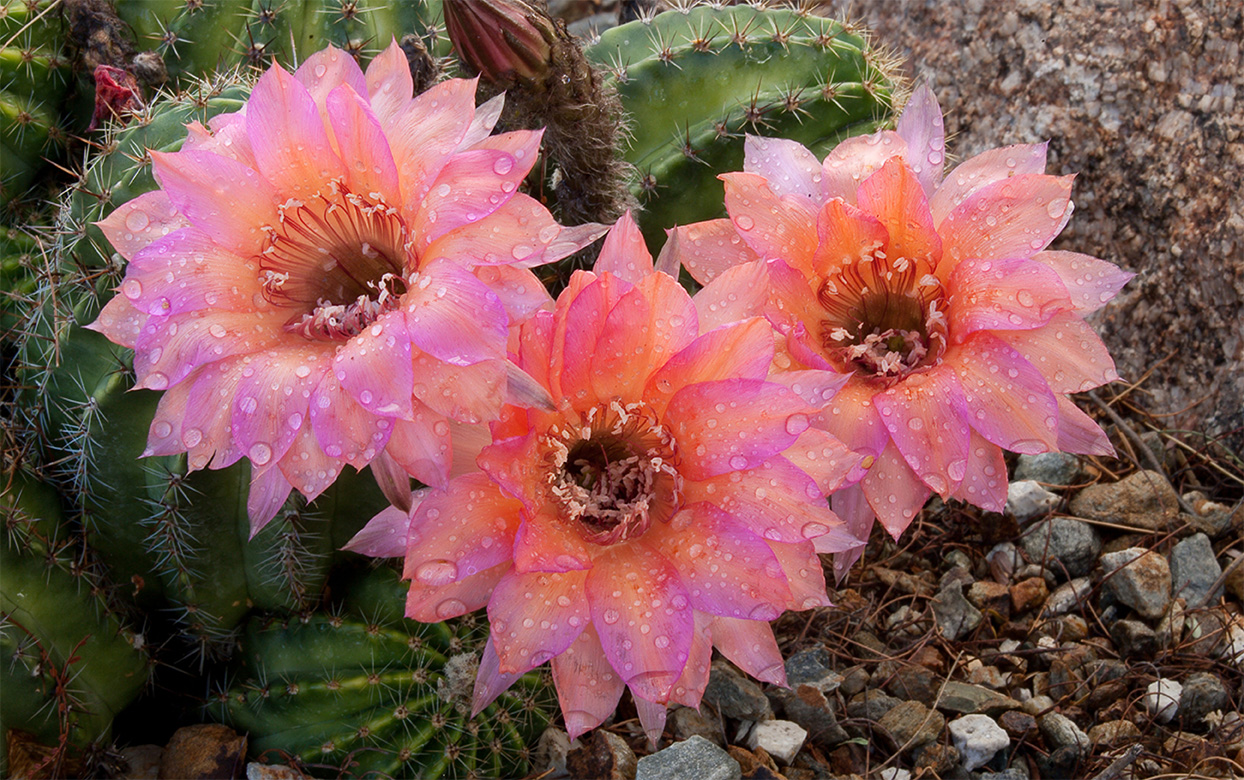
871, 705
1061, 732
603, 756
1162, 699
692, 759
1139, 578
965, 699
143, 762
1069, 547
955, 616
1014, 773
1026, 501
1004, 559
258, 771
1133, 639
978, 739
808, 707
1143, 500
1203, 693
551, 751
734, 695
912, 724
1194, 570
685, 722
1113, 732
1067, 597
1049, 468
781, 739
811, 667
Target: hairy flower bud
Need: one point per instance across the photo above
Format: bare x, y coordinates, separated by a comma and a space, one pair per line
507, 41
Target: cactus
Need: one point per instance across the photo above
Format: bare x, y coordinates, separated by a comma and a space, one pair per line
695, 80
198, 37
69, 664
20, 254
33, 82
361, 691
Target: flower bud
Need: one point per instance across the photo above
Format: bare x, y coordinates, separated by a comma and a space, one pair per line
507, 41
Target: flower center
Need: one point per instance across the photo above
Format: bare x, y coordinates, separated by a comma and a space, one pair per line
613, 471
338, 259
884, 318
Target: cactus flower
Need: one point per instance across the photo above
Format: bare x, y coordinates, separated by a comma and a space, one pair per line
959, 333
505, 40
672, 501
327, 277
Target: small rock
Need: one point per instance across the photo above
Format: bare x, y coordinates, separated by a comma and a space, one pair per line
808, 707
1202, 694
871, 705
1026, 501
692, 759
1038, 704
916, 683
955, 616
143, 762
1065, 545
605, 756
1067, 597
912, 724
685, 722
1140, 579
854, 680
1194, 570
957, 558
204, 750
258, 771
1014, 773
1143, 500
1050, 468
966, 699
1028, 594
895, 773
1162, 699
935, 758
1211, 518
551, 751
989, 596
1235, 583
781, 739
1017, 723
811, 667
734, 695
1062, 732
1171, 629
978, 739
1134, 639
1185, 747
1062, 762
1113, 732
1004, 559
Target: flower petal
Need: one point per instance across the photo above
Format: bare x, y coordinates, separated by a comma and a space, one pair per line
984, 483
169, 348
136, 223
1078, 433
325, 69
775, 500
164, 436
846, 235
389, 83
651, 718
735, 294
272, 399
461, 531
1015, 217
344, 428
308, 468
927, 417
454, 317
363, 146
894, 196
490, 681
375, 367
985, 168
920, 125
1090, 282
588, 688
787, 165
804, 573
267, 494
855, 159
851, 505
521, 233
187, 271
287, 134
852, 418
773, 226
577, 327
469, 394
537, 615
708, 249
893, 491
120, 322
225, 199
624, 253
422, 446
750, 645
829, 462
425, 132
384, 536
1066, 351
545, 542
520, 291
434, 603
649, 324
690, 686
205, 430
1008, 400
741, 350
1009, 294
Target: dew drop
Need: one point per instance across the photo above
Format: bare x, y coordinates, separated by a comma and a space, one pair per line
813, 530
132, 288
611, 616
156, 381
260, 453
450, 608
191, 437
162, 429
437, 572
503, 165
744, 222
137, 221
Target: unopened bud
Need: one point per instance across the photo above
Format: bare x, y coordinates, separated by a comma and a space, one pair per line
507, 41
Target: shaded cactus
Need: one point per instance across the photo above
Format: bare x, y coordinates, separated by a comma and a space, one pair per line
34, 79
361, 691
69, 664
694, 81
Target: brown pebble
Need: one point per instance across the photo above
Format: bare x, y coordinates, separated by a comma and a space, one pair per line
1028, 594
1017, 723
206, 751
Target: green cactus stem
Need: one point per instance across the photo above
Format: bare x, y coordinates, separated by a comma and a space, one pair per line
361, 691
694, 81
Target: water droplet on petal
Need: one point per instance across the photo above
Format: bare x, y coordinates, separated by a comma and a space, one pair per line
744, 222
260, 453
437, 572
450, 608
137, 220
611, 616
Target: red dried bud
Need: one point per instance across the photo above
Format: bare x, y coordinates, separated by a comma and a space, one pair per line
505, 40
116, 93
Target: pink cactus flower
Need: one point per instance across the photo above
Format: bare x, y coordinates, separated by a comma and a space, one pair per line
327, 277
959, 333
673, 500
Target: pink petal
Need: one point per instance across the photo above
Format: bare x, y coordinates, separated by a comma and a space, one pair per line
649, 324
927, 417
986, 168
454, 317
669, 260
1015, 217
434, 603
187, 271
644, 622
392, 480
735, 294
363, 147
1008, 400
855, 159
708, 249
389, 83
920, 125
327, 68
804, 574
536, 616
1090, 282
306, 466
514, 464
547, 543
470, 394
472, 185
773, 226
535, 346
722, 562
851, 505
169, 348
847, 235
787, 165
733, 424
164, 436
893, 491
490, 681
287, 134
578, 325
742, 350
375, 367
384, 536
984, 484
624, 253
588, 688
894, 196
815, 387
486, 116
119, 321
520, 291
797, 313
520, 233
851, 417
136, 223
228, 138
1011, 294
205, 429
424, 133
1066, 351
225, 199
267, 495
271, 400
749, 644
460, 532
344, 429
824, 458
776, 501
1078, 433
651, 718
690, 686
422, 446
